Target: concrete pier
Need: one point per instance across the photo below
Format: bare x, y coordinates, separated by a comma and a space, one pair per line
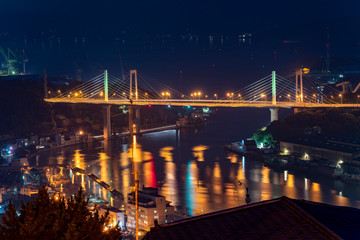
107, 122
274, 114
137, 119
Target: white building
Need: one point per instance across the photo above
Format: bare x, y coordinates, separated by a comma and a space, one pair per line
29, 190
151, 206
116, 216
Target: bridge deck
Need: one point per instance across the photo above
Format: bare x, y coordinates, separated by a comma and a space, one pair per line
202, 103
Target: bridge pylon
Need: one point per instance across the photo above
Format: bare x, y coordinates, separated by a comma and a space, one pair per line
106, 86
299, 94
133, 73
273, 81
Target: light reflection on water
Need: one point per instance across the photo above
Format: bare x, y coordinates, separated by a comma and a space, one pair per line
196, 177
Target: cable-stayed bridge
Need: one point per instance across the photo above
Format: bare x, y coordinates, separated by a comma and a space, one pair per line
137, 89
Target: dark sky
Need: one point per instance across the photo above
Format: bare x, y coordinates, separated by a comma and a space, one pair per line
303, 17
304, 22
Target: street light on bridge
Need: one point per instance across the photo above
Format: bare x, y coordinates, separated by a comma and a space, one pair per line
263, 96
230, 95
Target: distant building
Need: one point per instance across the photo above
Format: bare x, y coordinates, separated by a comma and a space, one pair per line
59, 139
151, 207
249, 145
23, 142
29, 190
333, 151
3, 191
116, 216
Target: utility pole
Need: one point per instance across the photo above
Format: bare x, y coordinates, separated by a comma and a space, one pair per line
136, 205
134, 173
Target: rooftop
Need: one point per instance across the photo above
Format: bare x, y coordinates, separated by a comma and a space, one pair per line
111, 209
336, 144
281, 218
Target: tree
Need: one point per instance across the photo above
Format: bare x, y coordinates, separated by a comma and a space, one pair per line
265, 137
56, 218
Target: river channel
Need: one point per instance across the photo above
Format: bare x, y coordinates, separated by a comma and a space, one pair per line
192, 170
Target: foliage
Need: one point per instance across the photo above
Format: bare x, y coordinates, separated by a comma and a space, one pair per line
56, 218
333, 122
265, 137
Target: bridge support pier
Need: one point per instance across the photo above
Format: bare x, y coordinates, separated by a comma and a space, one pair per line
134, 121
137, 119
107, 122
274, 114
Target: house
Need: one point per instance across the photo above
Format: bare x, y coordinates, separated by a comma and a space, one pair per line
281, 218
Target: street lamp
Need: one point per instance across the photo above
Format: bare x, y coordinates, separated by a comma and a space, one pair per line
263, 96
247, 199
340, 95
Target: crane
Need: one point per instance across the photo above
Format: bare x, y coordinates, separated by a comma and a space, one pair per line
10, 61
346, 85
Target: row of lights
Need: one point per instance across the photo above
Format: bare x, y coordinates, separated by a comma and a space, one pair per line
194, 94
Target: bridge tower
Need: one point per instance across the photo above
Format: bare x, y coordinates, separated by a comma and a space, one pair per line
106, 109
299, 94
274, 111
136, 120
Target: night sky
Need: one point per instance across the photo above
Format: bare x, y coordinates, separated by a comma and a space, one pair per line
210, 16
302, 23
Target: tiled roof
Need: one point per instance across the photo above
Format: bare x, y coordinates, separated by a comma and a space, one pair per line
281, 218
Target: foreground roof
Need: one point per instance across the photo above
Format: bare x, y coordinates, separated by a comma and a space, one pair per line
281, 218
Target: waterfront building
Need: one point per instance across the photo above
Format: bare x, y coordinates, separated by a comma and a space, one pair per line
332, 151
59, 139
152, 206
29, 190
116, 216
281, 218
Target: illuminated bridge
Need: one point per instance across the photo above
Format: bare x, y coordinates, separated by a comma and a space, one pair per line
135, 89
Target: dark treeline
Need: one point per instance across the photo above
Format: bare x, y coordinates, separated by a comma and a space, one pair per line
332, 122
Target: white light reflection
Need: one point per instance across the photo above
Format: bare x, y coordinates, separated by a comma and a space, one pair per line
243, 163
